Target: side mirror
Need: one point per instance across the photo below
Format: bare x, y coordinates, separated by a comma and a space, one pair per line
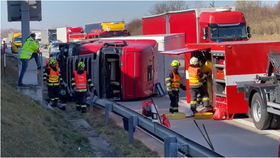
248, 29
249, 35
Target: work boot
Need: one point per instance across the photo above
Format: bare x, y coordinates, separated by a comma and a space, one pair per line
38, 67
21, 85
78, 108
84, 109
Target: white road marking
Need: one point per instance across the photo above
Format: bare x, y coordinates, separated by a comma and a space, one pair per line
244, 122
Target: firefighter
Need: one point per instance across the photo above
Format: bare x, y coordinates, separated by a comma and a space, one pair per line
52, 79
196, 79
173, 84
80, 80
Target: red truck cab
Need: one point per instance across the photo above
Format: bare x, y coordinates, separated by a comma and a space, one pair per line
223, 26
202, 25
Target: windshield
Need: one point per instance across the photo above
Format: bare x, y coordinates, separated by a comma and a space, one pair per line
228, 33
53, 37
113, 34
17, 39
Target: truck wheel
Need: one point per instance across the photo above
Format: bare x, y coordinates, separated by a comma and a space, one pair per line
259, 113
275, 122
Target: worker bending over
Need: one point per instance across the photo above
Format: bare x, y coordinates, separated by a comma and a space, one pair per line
52, 79
196, 79
48, 60
206, 68
79, 84
173, 84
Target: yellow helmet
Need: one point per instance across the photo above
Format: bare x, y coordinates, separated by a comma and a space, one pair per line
81, 64
175, 63
194, 61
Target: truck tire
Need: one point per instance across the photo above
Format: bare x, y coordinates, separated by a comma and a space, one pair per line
275, 122
261, 117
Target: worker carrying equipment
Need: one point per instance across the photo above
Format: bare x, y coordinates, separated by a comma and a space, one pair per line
80, 80
196, 79
173, 83
53, 79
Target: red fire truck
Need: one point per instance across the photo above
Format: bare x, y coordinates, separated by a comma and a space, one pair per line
203, 25
236, 64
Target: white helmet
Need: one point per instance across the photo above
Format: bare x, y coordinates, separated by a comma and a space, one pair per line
194, 61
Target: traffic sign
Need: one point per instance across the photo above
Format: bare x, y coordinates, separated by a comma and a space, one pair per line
14, 10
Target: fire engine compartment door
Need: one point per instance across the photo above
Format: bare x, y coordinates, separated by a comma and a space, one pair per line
110, 80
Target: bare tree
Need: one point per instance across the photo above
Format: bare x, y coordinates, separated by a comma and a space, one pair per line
212, 4
198, 4
163, 7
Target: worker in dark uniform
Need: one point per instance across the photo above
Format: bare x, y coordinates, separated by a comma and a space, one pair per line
80, 80
173, 84
52, 79
196, 79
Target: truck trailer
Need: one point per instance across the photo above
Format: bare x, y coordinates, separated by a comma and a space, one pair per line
202, 25
47, 36
63, 33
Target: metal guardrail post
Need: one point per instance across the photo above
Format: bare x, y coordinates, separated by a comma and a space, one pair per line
108, 108
132, 122
170, 147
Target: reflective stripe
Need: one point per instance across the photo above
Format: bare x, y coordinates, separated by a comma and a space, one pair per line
205, 99
193, 102
83, 106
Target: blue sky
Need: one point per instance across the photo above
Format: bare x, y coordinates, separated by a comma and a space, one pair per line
78, 13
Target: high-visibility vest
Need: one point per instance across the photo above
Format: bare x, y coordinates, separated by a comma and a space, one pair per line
194, 80
28, 48
176, 80
80, 80
54, 76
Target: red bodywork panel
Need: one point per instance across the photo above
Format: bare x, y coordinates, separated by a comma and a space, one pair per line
135, 58
225, 17
154, 25
184, 22
72, 30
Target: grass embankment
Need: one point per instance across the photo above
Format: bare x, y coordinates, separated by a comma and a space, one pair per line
29, 130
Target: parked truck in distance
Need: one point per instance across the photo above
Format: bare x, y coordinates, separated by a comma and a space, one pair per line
47, 36
100, 30
16, 42
202, 25
263, 95
63, 33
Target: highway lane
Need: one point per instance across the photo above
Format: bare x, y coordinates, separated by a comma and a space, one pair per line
231, 138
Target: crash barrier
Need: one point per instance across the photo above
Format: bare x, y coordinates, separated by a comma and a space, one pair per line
173, 142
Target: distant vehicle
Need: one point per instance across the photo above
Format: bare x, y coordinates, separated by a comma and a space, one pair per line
47, 36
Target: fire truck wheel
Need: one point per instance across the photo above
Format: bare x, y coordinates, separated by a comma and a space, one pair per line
275, 122
259, 113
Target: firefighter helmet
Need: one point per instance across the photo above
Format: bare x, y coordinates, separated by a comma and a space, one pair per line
52, 61
81, 64
194, 61
175, 63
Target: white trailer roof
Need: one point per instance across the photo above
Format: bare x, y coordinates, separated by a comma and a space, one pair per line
198, 11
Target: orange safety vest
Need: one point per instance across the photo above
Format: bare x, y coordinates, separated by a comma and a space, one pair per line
54, 76
176, 80
80, 80
193, 77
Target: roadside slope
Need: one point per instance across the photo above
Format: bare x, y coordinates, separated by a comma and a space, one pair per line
29, 130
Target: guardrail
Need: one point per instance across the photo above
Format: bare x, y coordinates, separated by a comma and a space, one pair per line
173, 141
